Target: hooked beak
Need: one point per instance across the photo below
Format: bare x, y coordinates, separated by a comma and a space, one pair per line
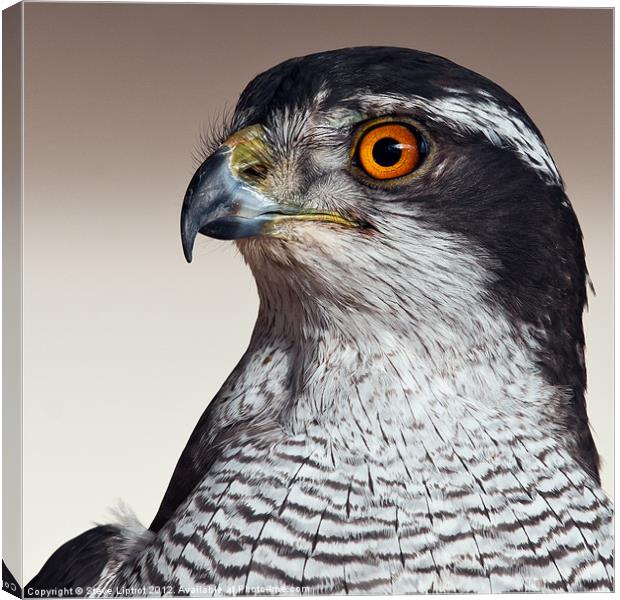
219, 203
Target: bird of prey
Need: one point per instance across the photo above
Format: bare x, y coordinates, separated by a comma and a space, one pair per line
409, 415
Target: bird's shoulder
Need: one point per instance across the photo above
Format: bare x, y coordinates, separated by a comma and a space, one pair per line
76, 565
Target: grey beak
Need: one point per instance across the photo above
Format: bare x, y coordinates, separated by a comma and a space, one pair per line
220, 205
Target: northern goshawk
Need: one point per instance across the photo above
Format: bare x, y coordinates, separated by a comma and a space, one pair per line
409, 415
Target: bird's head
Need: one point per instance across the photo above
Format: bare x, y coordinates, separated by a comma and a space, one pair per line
393, 181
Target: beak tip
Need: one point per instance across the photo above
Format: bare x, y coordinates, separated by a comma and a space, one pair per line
188, 249
188, 236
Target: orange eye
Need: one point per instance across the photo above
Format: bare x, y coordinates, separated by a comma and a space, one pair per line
388, 151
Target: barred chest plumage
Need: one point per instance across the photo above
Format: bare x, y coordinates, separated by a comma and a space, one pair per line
384, 468
306, 514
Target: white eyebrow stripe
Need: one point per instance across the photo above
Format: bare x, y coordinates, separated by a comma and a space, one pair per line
480, 115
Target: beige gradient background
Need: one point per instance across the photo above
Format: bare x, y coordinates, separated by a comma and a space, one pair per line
124, 343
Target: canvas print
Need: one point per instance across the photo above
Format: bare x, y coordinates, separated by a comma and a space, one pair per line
409, 409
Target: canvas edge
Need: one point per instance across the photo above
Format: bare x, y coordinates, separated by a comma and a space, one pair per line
12, 227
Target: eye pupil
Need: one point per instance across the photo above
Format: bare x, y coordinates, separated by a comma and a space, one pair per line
386, 152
